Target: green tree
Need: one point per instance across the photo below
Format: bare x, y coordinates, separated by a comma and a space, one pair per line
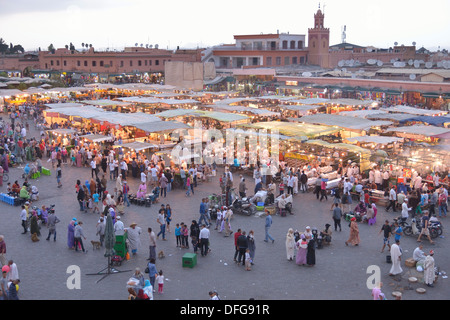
3, 46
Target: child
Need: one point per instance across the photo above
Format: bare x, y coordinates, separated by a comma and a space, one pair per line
281, 188
219, 219
248, 260
178, 235
184, 236
95, 198
160, 280
90, 203
194, 243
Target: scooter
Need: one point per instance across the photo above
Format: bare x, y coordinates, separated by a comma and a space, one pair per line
243, 207
401, 222
416, 228
213, 212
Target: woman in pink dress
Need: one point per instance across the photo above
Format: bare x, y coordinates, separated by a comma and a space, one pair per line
302, 246
142, 191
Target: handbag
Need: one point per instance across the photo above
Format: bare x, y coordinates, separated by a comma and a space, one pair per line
147, 270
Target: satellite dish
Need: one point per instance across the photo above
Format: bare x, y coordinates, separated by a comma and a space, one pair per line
156, 46
344, 69
371, 61
306, 74
150, 46
397, 64
341, 63
440, 64
402, 64
379, 63
412, 77
428, 64
395, 43
392, 61
136, 44
410, 62
369, 49
414, 43
416, 64
142, 45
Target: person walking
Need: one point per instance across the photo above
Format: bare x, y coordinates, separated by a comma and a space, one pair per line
237, 234
337, 216
125, 191
204, 240
227, 222
3, 260
354, 233
101, 226
78, 234
160, 280
58, 174
323, 190
392, 199
425, 231
52, 220
268, 224
163, 184
304, 182
311, 252
23, 218
290, 244
203, 213
396, 254
152, 272
386, 229
152, 246
162, 223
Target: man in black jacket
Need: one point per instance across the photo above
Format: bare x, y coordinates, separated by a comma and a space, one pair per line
303, 182
242, 244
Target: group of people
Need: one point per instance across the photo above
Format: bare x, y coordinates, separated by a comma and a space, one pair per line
301, 246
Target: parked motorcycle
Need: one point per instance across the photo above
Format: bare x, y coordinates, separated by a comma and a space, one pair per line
243, 206
401, 222
416, 227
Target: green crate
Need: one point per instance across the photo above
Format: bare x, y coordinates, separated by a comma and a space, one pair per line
36, 175
46, 172
189, 260
120, 247
260, 208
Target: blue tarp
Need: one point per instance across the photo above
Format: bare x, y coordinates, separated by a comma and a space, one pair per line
435, 121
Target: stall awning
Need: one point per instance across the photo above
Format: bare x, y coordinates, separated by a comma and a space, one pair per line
161, 126
96, 137
137, 146
61, 131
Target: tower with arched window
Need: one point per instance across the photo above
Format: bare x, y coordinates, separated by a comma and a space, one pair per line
319, 42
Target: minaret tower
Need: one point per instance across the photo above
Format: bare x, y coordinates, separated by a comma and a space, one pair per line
319, 42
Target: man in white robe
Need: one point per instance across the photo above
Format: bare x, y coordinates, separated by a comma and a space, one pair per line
133, 236
396, 254
428, 270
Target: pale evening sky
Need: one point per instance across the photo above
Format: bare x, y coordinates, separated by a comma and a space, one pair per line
188, 24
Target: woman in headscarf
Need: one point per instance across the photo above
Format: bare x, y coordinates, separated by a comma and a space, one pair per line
251, 245
148, 290
88, 187
119, 184
354, 233
302, 246
93, 186
142, 191
34, 227
70, 234
78, 159
311, 252
290, 244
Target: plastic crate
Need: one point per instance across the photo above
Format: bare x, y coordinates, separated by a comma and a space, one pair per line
260, 208
46, 172
36, 175
189, 260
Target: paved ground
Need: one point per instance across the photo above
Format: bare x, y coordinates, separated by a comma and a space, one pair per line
339, 273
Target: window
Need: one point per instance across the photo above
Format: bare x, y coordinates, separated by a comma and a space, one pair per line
94, 63
101, 63
286, 61
278, 61
149, 62
294, 60
156, 62
131, 63
121, 63
46, 66
65, 63
110, 63
51, 62
78, 63
269, 61
292, 44
85, 63
324, 44
145, 62
57, 62
285, 44
139, 63
314, 44
300, 45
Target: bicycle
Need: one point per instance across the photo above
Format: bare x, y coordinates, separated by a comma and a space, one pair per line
5, 177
